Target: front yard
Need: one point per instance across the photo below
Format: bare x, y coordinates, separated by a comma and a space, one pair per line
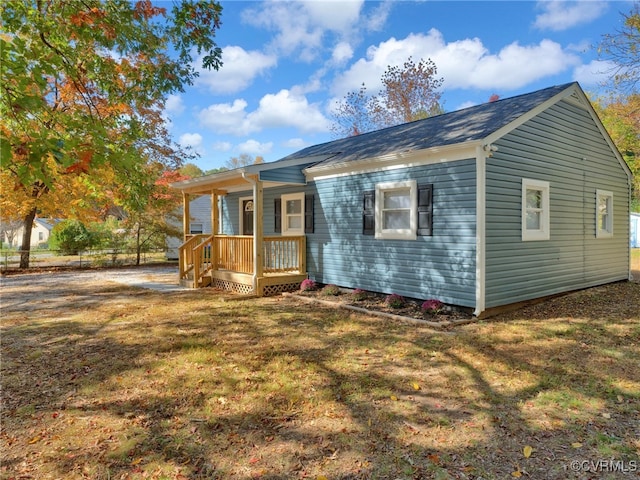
104, 381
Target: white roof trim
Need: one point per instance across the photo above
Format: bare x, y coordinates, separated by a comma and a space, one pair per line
407, 159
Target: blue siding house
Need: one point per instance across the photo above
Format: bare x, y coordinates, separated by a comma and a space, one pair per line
484, 207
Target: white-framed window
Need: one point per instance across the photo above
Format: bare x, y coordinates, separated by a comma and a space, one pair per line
535, 210
604, 214
196, 228
293, 214
396, 210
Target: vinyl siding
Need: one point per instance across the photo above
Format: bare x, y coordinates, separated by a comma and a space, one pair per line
441, 266
563, 146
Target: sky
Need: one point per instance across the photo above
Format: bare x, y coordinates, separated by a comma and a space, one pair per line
287, 64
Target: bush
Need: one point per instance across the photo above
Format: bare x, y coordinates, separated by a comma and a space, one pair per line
70, 237
432, 306
308, 285
358, 295
395, 301
330, 290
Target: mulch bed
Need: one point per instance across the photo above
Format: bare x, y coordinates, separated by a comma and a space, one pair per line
376, 302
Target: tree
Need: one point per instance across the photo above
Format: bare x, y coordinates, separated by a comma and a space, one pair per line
83, 89
409, 93
622, 48
70, 237
242, 161
621, 117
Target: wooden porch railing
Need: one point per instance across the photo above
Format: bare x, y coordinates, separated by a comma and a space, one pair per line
186, 254
235, 253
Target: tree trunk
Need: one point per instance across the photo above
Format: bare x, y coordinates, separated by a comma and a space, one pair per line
25, 249
138, 245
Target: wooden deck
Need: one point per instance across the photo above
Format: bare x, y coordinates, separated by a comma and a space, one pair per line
227, 262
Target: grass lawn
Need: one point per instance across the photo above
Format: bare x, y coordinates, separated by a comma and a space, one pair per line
110, 382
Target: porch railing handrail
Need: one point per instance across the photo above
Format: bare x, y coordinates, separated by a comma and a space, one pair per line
186, 253
205, 252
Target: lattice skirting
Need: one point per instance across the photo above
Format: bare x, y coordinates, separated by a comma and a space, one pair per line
270, 290
232, 286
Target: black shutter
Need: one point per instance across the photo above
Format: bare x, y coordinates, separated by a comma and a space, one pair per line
425, 210
277, 215
369, 213
308, 213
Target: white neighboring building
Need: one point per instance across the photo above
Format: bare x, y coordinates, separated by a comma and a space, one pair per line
635, 230
40, 233
200, 222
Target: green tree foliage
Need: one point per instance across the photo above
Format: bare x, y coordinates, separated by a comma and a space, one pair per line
83, 89
70, 237
409, 93
621, 117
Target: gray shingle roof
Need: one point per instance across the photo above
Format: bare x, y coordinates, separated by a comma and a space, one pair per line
473, 123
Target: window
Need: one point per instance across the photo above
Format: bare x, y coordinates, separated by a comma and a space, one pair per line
396, 210
400, 210
604, 214
196, 229
293, 214
535, 210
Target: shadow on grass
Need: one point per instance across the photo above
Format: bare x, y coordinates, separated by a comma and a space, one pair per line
185, 386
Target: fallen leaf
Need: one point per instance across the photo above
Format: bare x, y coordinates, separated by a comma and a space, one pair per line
415, 386
576, 444
516, 474
394, 398
527, 450
137, 461
322, 477
34, 440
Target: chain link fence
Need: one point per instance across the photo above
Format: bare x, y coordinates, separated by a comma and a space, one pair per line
39, 258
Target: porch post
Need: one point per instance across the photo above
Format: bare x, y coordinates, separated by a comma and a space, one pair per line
214, 229
258, 234
186, 215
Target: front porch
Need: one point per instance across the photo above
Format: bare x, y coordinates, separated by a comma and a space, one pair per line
228, 262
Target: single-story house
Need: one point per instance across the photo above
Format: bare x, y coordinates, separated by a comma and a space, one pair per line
483, 207
199, 223
40, 233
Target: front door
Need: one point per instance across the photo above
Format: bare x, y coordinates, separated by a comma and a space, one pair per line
247, 217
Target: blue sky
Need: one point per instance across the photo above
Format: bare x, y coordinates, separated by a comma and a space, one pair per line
287, 63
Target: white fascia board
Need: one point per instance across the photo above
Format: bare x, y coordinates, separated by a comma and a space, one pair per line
407, 159
208, 179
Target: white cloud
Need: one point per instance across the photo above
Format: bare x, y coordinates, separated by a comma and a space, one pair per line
255, 148
192, 140
222, 146
239, 69
300, 27
342, 53
593, 74
225, 117
464, 63
174, 105
562, 15
296, 143
283, 109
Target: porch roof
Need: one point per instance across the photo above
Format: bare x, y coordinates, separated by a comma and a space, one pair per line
239, 179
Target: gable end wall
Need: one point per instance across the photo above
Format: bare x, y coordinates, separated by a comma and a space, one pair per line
563, 146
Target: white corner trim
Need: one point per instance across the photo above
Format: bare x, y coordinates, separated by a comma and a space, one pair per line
481, 198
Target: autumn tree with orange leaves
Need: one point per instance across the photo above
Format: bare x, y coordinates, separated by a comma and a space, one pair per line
83, 89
